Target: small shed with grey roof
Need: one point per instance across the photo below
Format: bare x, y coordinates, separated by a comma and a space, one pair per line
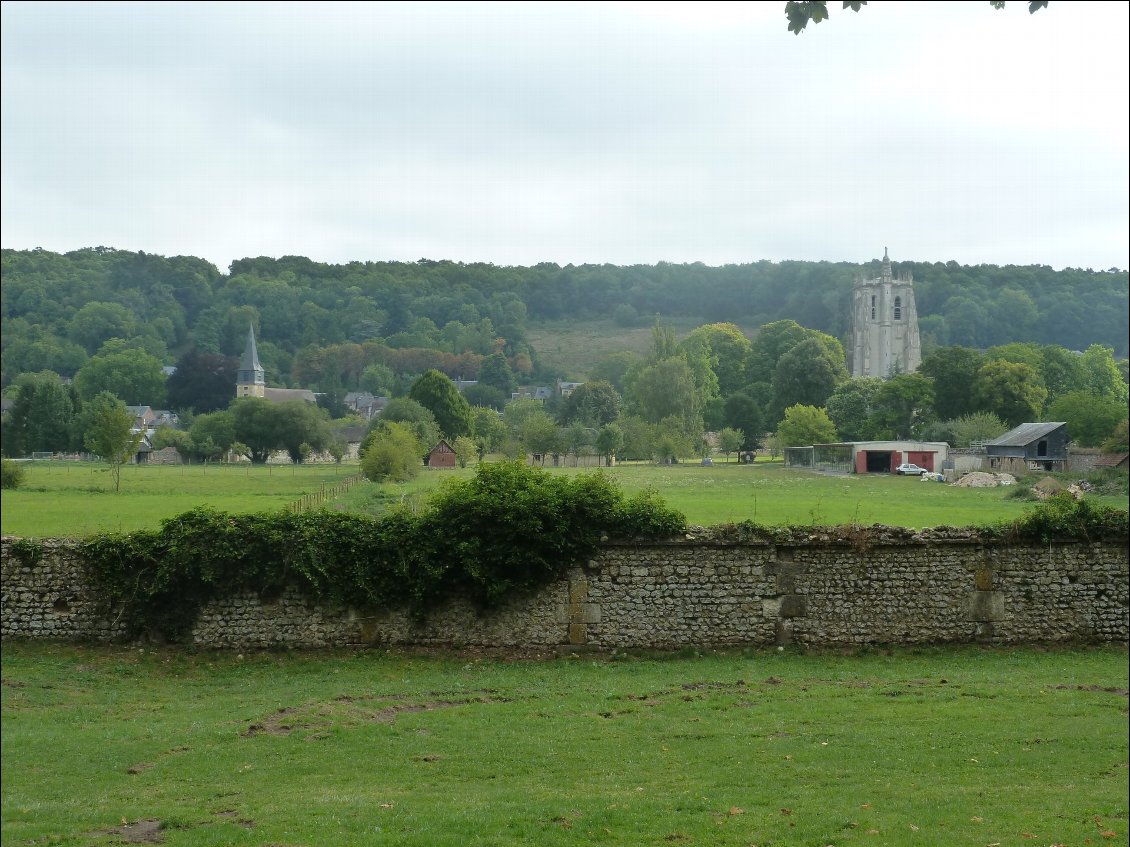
1029, 447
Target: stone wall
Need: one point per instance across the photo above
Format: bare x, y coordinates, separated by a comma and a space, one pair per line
817, 590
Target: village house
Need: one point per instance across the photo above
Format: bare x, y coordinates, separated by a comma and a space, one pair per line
365, 403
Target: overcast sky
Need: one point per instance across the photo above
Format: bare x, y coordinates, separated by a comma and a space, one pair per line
519, 133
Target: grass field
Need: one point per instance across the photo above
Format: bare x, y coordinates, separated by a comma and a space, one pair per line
65, 499
76, 499
957, 746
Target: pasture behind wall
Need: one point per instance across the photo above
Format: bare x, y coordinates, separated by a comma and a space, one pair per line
821, 589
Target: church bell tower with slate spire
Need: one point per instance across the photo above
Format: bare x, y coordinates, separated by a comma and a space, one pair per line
249, 380
884, 325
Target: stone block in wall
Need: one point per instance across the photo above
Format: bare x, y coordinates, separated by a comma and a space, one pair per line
793, 606
984, 606
786, 572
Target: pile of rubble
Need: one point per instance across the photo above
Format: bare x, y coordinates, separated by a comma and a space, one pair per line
1048, 486
980, 479
1043, 489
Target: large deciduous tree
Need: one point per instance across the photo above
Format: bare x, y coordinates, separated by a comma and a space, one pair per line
730, 440
98, 321
203, 382
729, 349
377, 379
257, 426
303, 428
265, 427
593, 404
1014, 392
850, 406
42, 416
672, 440
211, 435
663, 345
614, 367
1060, 369
406, 410
743, 413
806, 425
898, 405
953, 370
495, 371
1119, 440
488, 430
773, 340
45, 352
132, 375
1099, 374
610, 441
1090, 419
667, 388
639, 437
485, 395
808, 374
437, 393
540, 434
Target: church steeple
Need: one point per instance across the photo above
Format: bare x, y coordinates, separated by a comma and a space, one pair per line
250, 380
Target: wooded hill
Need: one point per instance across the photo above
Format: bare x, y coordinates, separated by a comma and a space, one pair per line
60, 309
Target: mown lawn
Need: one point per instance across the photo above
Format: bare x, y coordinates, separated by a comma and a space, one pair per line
75, 500
946, 746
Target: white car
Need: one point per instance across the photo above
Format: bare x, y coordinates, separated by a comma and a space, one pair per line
910, 469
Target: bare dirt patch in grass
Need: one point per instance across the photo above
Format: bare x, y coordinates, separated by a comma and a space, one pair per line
148, 831
232, 816
318, 718
1121, 692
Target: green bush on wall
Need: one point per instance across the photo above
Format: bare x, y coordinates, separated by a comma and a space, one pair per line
509, 528
1061, 516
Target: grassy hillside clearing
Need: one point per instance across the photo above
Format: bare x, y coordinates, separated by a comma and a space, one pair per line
575, 347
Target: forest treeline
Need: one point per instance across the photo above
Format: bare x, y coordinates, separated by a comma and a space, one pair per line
58, 310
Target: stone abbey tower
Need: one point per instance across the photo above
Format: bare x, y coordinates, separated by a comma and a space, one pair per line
884, 325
